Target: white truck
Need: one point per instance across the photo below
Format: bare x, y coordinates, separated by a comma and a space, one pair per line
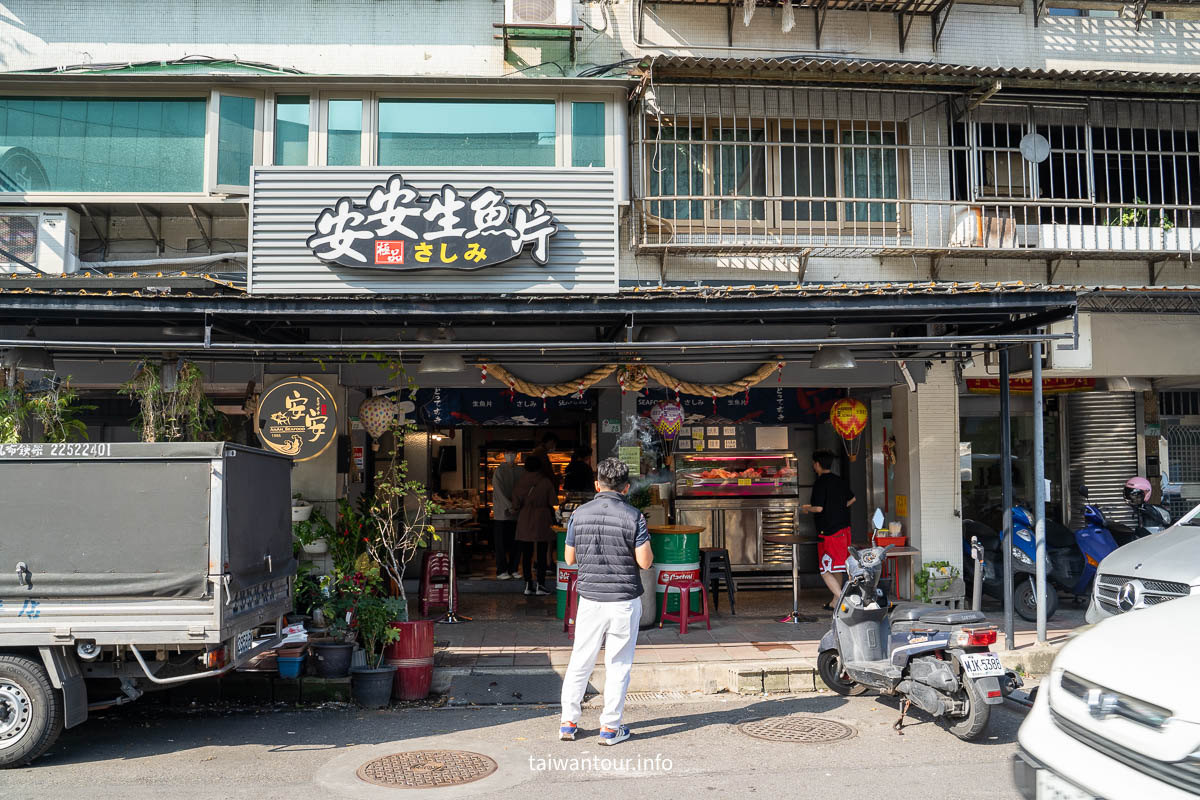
131, 567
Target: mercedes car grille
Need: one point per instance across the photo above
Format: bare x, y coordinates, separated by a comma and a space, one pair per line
1153, 592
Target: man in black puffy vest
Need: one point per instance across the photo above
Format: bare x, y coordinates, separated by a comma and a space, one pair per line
610, 542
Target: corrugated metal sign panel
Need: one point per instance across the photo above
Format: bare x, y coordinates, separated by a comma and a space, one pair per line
285, 203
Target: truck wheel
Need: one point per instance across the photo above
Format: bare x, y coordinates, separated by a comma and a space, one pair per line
31, 713
829, 666
975, 722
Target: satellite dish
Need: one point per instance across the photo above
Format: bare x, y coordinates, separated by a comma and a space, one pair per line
1035, 148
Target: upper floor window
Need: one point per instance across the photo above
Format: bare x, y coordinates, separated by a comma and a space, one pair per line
291, 129
98, 144
509, 133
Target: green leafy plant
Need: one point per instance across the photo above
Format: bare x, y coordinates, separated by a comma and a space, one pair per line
13, 412
1140, 214
308, 531
182, 414
934, 578
306, 590
400, 511
57, 409
374, 617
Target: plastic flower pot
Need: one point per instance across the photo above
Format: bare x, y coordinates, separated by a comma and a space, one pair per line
301, 510
371, 687
332, 659
290, 666
318, 547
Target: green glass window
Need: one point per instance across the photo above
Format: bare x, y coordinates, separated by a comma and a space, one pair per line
676, 164
345, 133
587, 134
870, 172
91, 144
235, 140
291, 130
507, 133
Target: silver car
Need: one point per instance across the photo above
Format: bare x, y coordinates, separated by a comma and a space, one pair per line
1160, 567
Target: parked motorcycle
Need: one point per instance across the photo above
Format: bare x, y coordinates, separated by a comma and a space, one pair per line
1148, 518
933, 657
1023, 561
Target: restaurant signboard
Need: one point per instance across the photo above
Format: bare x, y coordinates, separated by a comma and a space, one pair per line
399, 230
296, 417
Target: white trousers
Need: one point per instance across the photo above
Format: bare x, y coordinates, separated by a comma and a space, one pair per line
593, 622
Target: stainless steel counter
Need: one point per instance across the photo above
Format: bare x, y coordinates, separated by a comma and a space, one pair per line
738, 525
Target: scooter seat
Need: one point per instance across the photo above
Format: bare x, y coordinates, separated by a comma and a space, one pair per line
935, 615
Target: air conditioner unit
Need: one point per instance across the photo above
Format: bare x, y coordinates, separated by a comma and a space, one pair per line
46, 238
539, 12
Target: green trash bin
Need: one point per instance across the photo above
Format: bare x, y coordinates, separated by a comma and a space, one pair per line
676, 556
562, 573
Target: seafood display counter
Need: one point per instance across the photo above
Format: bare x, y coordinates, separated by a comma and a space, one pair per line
738, 497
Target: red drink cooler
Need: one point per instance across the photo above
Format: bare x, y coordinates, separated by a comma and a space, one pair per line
412, 655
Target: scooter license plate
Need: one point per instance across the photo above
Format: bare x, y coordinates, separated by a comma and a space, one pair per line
982, 665
1052, 787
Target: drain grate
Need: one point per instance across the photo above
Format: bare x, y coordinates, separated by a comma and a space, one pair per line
798, 728
426, 769
654, 697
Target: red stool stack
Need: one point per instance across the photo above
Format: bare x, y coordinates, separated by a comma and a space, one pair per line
685, 615
435, 580
572, 606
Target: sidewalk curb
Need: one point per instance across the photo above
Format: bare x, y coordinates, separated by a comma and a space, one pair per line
1033, 660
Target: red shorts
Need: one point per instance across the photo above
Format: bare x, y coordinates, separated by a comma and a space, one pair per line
833, 550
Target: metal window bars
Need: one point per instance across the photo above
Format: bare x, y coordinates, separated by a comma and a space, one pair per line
729, 168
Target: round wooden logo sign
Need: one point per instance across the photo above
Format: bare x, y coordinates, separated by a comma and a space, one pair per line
297, 417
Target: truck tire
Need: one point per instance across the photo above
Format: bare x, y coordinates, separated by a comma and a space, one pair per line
31, 713
974, 723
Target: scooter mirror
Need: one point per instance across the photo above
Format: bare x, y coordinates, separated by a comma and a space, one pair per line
877, 520
1083, 492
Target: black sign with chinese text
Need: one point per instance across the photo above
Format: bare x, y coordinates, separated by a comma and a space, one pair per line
297, 417
399, 230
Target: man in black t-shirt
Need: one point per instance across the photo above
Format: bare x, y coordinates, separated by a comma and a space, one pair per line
830, 507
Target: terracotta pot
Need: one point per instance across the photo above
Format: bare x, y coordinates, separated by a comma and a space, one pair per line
412, 656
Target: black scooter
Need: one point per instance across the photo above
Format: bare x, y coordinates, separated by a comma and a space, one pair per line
933, 657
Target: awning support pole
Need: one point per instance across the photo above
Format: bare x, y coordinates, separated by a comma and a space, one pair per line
1006, 495
1039, 494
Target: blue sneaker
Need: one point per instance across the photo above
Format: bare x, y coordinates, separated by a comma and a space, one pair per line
567, 732
609, 737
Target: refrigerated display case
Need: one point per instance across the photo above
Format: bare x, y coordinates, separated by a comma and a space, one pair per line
739, 497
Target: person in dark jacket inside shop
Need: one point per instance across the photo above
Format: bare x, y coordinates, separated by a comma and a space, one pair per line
504, 531
610, 541
533, 502
549, 445
578, 476
830, 507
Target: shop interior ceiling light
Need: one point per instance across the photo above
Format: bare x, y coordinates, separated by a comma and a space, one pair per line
440, 363
29, 359
833, 356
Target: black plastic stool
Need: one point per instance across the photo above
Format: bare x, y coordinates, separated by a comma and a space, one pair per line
714, 567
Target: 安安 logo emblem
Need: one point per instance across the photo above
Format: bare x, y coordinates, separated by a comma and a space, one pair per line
1129, 595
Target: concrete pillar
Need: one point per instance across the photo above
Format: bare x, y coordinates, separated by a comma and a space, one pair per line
926, 425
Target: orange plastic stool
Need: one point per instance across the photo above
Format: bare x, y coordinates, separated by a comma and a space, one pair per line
685, 614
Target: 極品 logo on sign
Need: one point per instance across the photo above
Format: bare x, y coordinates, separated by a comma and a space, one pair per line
398, 229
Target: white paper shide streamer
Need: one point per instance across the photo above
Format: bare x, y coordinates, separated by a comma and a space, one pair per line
789, 16
748, 7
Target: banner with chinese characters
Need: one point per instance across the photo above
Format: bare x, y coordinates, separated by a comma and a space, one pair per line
397, 229
1025, 385
765, 406
494, 407
448, 230
296, 417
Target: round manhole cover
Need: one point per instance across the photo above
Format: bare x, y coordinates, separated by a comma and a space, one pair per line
424, 769
797, 728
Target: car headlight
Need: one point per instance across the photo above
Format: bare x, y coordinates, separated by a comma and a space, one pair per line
1019, 555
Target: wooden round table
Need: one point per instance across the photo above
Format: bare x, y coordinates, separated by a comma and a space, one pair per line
795, 541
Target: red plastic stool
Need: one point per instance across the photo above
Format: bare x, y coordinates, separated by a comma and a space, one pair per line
435, 580
572, 606
685, 614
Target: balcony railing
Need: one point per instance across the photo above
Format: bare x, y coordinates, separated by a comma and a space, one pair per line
736, 168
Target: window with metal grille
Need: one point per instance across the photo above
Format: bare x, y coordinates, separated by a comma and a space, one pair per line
1178, 404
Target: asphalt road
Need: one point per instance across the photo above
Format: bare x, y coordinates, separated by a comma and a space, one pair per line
685, 747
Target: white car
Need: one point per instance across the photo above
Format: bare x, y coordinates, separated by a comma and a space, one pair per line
1119, 715
1160, 567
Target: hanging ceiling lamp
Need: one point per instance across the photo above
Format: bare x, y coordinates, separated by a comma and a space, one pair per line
832, 356
440, 363
29, 358
658, 333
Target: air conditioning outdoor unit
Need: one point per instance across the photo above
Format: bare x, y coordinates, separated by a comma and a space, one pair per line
539, 12
46, 238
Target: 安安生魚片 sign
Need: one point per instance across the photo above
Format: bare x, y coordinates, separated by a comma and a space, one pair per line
399, 230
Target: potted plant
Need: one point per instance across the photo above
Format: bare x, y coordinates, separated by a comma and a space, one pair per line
936, 579
401, 517
301, 508
371, 685
332, 654
312, 533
